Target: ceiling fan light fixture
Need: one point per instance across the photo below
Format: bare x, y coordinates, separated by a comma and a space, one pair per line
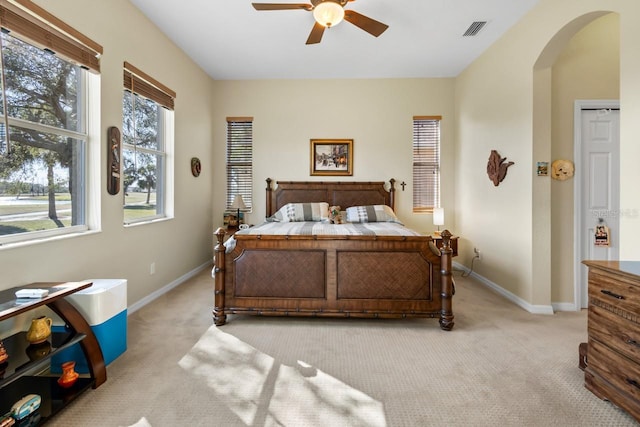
328, 13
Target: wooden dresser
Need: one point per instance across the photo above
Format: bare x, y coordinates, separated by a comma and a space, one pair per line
612, 366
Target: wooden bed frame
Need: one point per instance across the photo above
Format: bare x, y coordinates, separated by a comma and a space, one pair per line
337, 276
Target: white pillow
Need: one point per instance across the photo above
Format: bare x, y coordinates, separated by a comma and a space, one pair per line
297, 212
371, 213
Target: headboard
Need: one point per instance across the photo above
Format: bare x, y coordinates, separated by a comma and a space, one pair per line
343, 194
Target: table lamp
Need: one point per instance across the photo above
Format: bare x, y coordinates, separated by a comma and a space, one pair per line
238, 204
438, 218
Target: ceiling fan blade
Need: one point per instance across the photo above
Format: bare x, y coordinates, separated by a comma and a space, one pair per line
281, 6
316, 34
340, 2
371, 26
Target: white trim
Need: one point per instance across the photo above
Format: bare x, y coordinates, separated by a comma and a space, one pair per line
535, 309
153, 295
564, 306
46, 238
579, 105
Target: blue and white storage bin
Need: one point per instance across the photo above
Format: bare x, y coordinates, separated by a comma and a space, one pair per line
104, 307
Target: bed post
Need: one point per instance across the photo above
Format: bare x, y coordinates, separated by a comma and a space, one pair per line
269, 201
219, 318
446, 295
392, 194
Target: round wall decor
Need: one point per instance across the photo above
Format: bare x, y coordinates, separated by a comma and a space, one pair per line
562, 169
196, 167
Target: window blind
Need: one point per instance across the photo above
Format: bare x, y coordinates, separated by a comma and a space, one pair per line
39, 27
426, 163
240, 159
144, 85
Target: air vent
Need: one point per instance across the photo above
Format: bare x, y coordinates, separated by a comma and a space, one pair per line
474, 28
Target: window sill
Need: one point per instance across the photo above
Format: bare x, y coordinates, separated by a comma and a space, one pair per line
146, 222
48, 239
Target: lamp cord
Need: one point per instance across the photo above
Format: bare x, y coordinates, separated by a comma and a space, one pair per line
471, 269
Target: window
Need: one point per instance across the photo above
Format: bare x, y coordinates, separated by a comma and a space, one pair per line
47, 74
426, 163
147, 140
239, 160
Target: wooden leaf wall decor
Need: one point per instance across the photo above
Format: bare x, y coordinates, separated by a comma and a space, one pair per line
497, 168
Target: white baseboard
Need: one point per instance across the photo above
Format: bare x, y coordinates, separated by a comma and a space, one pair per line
535, 309
152, 296
563, 306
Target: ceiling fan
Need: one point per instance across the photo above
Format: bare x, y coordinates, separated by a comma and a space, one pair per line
328, 13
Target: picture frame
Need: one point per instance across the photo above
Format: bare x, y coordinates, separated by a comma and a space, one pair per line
331, 157
542, 169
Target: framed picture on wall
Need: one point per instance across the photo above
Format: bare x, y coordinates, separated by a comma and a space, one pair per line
542, 169
331, 157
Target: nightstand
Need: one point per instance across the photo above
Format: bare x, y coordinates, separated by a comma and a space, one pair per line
231, 230
437, 239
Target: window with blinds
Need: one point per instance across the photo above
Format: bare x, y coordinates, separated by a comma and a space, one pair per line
147, 141
426, 163
240, 160
49, 78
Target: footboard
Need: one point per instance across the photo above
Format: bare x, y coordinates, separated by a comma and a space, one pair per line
364, 276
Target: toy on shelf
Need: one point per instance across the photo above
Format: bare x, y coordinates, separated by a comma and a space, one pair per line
25, 406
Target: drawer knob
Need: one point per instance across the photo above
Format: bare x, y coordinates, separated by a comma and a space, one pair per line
632, 382
611, 294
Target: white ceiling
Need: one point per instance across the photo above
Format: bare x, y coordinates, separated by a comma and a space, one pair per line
229, 39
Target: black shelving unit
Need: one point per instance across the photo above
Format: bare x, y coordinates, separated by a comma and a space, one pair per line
54, 397
27, 371
25, 357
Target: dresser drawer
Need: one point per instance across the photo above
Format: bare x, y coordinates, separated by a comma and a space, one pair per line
621, 372
625, 295
613, 327
604, 390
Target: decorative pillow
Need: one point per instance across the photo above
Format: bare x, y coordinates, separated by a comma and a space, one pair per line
335, 215
371, 213
297, 212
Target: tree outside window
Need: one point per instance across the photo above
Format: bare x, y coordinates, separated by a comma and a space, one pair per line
147, 144
42, 141
143, 156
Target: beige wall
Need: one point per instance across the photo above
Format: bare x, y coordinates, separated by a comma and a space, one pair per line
494, 110
177, 246
376, 114
588, 68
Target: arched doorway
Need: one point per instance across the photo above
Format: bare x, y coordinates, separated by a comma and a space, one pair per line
560, 78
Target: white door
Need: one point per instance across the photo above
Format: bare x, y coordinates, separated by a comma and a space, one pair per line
599, 207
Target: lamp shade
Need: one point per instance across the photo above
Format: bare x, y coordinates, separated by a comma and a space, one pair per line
438, 216
328, 13
238, 203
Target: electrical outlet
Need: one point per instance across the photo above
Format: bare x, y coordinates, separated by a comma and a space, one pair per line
152, 268
477, 252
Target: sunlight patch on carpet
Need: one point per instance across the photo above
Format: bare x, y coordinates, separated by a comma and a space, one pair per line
142, 422
262, 391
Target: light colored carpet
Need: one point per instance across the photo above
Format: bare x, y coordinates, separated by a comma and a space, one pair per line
499, 366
